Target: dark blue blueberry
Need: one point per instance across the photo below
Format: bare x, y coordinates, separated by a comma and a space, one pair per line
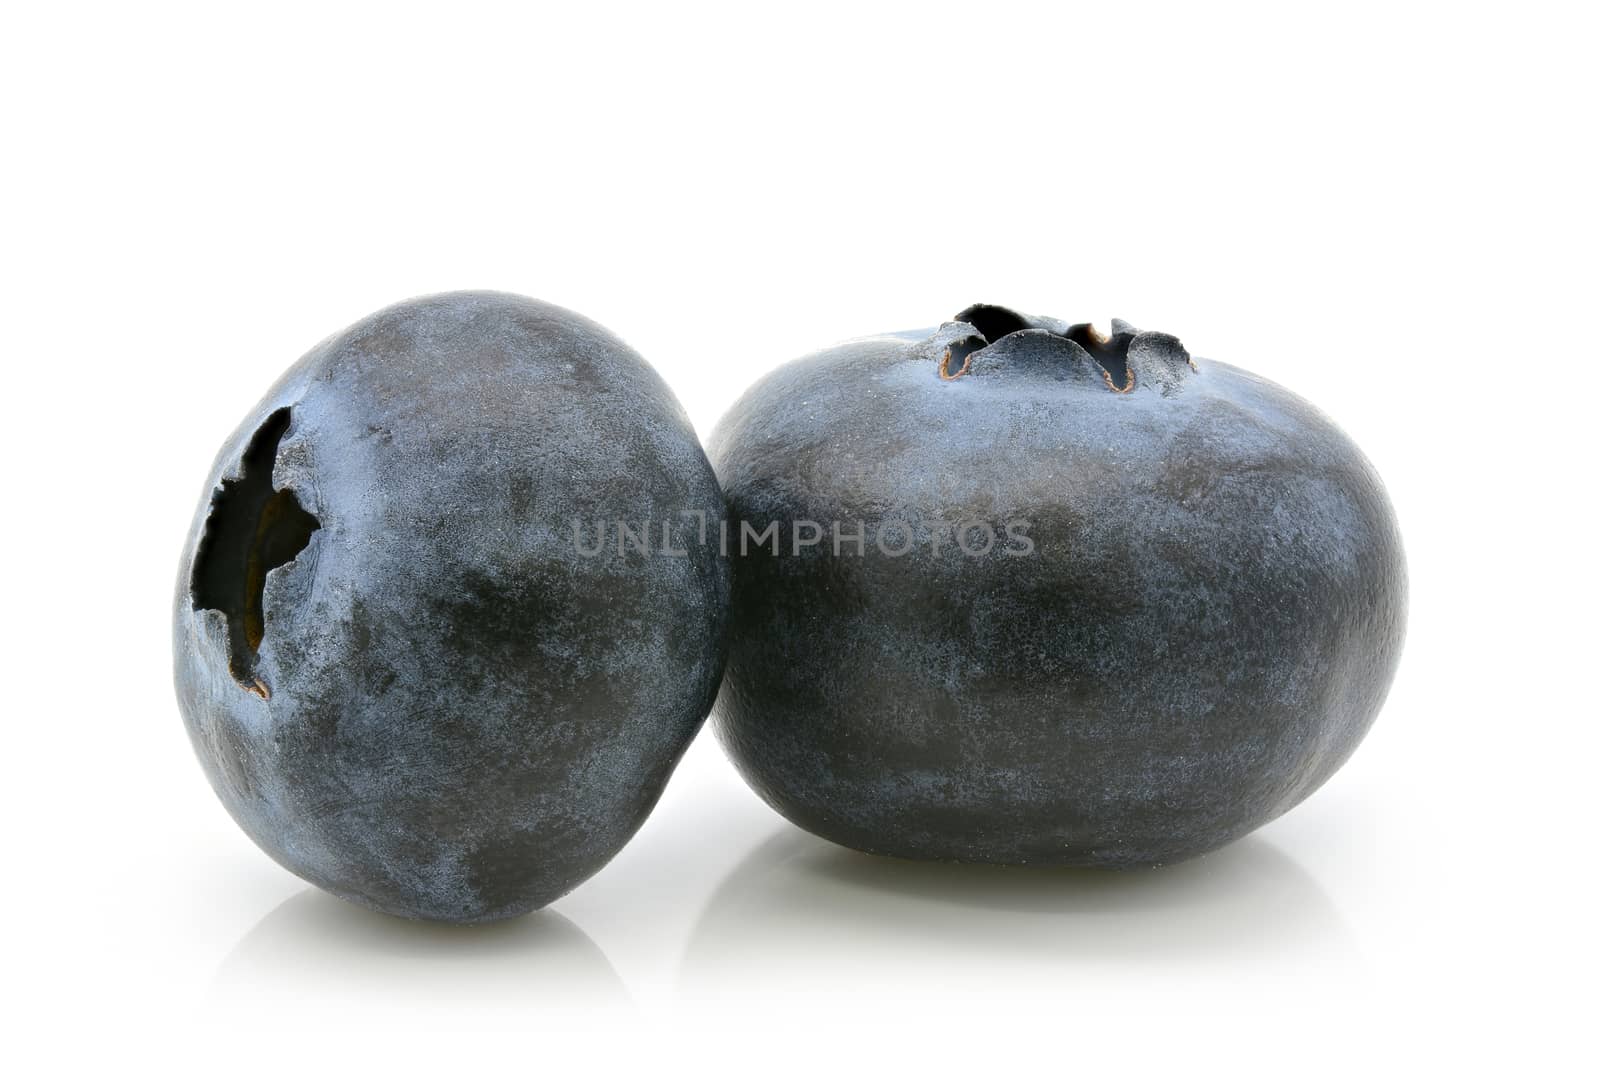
403, 678
1106, 605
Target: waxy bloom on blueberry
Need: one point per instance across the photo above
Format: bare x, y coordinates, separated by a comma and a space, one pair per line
401, 679
1202, 630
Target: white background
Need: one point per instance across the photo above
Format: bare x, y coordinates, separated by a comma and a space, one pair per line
1389, 208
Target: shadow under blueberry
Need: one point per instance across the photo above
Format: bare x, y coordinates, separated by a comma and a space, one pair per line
316, 947
854, 918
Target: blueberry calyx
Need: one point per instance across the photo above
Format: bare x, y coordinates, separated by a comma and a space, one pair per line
251, 529
1127, 358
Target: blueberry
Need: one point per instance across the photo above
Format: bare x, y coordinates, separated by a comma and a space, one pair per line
407, 678
1029, 594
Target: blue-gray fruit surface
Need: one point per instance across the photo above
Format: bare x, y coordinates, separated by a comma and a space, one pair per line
1042, 596
407, 678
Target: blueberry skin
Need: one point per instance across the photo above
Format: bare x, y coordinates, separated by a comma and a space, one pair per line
1194, 629
404, 679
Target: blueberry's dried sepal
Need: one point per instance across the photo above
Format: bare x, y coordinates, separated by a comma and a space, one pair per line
1159, 361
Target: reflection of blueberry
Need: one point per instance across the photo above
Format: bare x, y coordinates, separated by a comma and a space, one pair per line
1199, 630
401, 677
